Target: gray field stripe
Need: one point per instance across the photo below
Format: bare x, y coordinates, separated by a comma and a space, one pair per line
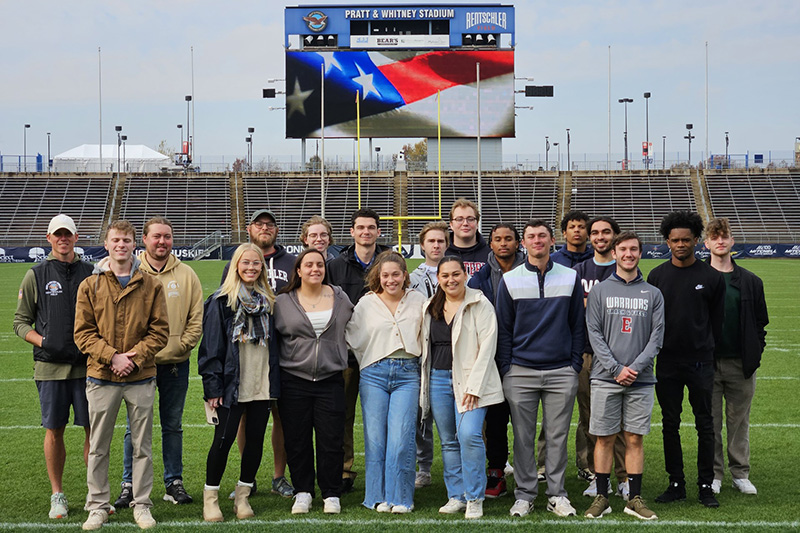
520, 522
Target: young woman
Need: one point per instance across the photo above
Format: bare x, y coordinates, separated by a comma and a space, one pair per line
238, 360
384, 334
317, 233
459, 380
310, 319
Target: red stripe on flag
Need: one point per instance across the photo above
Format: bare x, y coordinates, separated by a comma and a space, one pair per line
423, 75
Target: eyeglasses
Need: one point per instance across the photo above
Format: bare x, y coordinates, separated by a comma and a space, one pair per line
247, 264
314, 236
269, 225
461, 220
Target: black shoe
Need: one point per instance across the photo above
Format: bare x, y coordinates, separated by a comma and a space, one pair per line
676, 492
176, 493
706, 497
125, 496
347, 485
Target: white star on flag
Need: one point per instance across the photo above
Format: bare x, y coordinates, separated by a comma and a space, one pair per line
296, 100
365, 80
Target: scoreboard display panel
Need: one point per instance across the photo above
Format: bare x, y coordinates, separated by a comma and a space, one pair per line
396, 60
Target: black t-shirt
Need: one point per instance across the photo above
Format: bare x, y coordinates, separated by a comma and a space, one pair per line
441, 345
590, 274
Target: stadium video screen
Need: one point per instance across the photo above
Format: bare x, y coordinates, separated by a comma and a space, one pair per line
398, 93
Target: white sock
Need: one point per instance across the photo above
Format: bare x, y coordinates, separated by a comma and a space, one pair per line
243, 484
209, 487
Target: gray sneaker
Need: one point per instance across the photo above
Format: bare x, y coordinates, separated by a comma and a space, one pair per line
281, 486
58, 506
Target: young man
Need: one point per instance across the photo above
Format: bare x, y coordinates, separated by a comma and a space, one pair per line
625, 323
45, 318
184, 294
540, 341
433, 240
602, 231
348, 271
262, 229
505, 256
467, 243
121, 323
574, 230
694, 304
737, 355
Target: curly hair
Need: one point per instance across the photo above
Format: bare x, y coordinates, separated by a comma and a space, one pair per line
682, 219
574, 215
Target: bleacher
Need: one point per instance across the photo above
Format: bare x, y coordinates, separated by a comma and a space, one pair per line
636, 202
761, 207
196, 205
295, 199
506, 198
28, 204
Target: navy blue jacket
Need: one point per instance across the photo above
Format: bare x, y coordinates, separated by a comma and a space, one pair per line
483, 278
571, 259
218, 357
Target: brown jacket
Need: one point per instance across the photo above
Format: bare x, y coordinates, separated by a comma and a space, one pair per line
110, 319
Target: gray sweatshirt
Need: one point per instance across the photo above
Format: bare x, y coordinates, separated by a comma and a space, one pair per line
625, 322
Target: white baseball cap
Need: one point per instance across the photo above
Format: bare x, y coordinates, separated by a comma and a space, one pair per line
61, 221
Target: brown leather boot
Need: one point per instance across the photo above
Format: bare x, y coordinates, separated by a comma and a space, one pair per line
241, 503
211, 511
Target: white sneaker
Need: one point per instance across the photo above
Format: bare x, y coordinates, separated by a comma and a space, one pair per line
96, 519
521, 508
453, 506
422, 479
591, 490
744, 486
143, 518
716, 486
402, 509
332, 505
560, 506
474, 509
383, 507
58, 506
624, 489
302, 503
508, 470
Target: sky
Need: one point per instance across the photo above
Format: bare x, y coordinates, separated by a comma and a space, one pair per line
49, 73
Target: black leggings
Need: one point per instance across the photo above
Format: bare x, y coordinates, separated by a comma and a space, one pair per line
225, 435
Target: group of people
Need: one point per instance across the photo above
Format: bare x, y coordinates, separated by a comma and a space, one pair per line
479, 335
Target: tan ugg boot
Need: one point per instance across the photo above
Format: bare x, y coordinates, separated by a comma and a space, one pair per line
241, 503
211, 511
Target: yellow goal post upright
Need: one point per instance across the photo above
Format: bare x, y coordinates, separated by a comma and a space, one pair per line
401, 218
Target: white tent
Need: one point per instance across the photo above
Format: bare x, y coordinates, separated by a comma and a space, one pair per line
132, 158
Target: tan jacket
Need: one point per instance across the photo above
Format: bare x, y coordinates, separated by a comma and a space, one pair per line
184, 294
110, 319
474, 339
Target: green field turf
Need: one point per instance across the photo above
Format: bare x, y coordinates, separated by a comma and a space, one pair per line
25, 490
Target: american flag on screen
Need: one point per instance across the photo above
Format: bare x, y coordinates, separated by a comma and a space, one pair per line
398, 93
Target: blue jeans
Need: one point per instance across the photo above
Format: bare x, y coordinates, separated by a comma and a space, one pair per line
172, 381
461, 435
389, 397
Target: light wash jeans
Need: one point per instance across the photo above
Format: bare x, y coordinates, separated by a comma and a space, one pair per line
389, 397
461, 435
172, 382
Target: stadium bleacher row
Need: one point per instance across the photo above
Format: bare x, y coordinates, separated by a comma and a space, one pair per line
763, 207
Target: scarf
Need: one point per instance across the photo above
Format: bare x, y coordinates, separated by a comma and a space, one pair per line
251, 323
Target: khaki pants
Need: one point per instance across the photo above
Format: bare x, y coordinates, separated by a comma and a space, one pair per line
738, 392
104, 403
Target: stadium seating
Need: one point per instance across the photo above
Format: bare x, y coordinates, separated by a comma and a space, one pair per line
28, 204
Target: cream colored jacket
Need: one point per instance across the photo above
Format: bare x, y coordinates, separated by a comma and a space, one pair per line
373, 333
474, 330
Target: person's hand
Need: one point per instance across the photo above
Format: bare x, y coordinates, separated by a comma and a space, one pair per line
214, 402
122, 363
626, 377
469, 402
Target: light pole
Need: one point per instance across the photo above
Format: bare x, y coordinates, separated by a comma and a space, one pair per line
124, 158
559, 156
625, 102
727, 161
689, 136
25, 147
250, 163
188, 99
49, 161
547, 153
248, 140
180, 129
118, 129
647, 130
663, 152
569, 165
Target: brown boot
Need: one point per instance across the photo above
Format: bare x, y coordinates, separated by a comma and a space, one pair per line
241, 503
211, 511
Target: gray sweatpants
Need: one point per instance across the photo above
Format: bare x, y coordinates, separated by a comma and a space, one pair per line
524, 388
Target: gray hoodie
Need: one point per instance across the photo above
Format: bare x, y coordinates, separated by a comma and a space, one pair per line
625, 322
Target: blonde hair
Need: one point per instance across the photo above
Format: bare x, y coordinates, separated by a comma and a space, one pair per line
463, 202
316, 219
232, 283
718, 227
123, 226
